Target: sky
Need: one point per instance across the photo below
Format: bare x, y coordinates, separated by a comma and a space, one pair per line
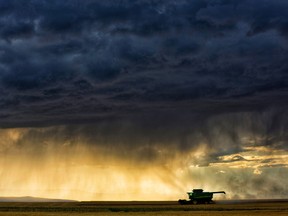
143, 99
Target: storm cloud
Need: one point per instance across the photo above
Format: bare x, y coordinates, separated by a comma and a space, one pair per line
117, 57
147, 83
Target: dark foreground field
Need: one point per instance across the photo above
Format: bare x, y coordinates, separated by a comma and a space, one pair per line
220, 208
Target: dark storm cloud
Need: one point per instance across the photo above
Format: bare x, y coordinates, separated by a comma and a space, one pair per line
71, 61
171, 84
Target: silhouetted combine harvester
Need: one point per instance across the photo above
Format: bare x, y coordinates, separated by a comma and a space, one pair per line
198, 196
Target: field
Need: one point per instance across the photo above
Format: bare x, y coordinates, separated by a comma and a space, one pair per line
220, 208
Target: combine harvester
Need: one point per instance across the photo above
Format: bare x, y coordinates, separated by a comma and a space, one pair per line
198, 196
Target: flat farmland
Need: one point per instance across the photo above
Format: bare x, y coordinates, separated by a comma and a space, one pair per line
220, 208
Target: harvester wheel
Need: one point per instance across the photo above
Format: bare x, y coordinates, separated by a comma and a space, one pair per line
182, 201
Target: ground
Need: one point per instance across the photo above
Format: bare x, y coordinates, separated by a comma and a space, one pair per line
220, 208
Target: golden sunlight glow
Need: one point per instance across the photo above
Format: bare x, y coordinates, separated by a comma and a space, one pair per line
76, 170
79, 172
